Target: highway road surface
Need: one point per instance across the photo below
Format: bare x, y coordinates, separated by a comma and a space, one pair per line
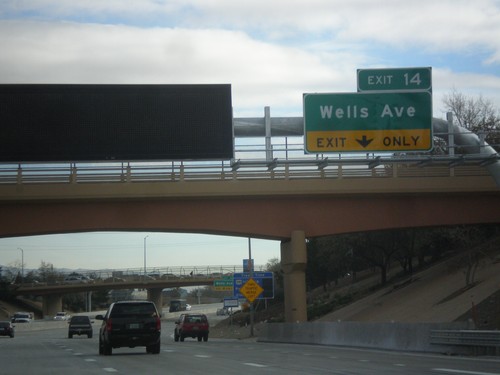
50, 352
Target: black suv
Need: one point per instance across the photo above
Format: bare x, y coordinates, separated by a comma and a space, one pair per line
130, 324
80, 325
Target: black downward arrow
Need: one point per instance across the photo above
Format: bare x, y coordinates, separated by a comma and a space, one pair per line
364, 141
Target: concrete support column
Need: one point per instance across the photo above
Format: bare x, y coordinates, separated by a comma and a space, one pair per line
51, 304
293, 264
154, 295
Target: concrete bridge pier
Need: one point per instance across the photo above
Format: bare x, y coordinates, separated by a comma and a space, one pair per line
154, 295
293, 264
51, 304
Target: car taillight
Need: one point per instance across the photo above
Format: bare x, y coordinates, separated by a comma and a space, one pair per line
158, 324
109, 325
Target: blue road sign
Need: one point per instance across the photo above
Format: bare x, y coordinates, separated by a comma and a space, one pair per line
264, 279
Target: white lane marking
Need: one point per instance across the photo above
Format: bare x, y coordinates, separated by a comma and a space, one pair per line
169, 351
90, 360
110, 369
399, 365
452, 371
254, 364
203, 356
77, 353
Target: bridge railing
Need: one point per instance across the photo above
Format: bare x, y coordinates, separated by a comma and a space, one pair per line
137, 274
282, 160
377, 167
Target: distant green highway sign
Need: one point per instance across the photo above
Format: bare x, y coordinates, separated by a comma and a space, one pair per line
396, 79
225, 284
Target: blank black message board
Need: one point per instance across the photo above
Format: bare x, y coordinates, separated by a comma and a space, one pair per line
60, 122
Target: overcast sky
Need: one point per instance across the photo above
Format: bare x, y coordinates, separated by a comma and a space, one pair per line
270, 51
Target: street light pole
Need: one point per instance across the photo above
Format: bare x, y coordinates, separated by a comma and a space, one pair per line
145, 255
250, 276
22, 264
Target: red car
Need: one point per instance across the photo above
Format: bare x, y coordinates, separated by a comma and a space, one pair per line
191, 325
6, 329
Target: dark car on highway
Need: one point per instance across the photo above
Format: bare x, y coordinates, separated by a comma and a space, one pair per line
80, 325
191, 325
22, 317
6, 329
130, 324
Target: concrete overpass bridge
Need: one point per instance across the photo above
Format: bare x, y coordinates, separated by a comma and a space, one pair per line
104, 280
269, 192
52, 294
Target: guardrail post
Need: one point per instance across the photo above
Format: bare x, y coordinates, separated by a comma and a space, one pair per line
129, 173
451, 134
19, 174
72, 174
267, 123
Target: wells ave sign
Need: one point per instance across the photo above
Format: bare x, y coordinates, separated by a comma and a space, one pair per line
223, 285
359, 122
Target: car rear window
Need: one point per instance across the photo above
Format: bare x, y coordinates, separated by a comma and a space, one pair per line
4, 324
80, 319
125, 309
196, 319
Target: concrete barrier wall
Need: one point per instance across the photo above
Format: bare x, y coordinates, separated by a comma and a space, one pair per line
387, 336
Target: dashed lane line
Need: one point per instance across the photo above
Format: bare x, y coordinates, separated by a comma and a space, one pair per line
254, 365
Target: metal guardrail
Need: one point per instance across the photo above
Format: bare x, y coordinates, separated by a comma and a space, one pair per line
380, 166
471, 338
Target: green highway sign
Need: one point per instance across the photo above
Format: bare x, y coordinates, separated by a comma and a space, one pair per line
225, 284
397, 79
358, 122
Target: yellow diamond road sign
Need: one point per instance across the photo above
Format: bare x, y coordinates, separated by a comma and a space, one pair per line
251, 290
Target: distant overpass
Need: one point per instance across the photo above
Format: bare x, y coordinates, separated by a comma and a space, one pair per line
165, 277
61, 288
52, 294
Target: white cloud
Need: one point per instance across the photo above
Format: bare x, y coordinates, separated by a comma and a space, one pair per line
261, 73
437, 25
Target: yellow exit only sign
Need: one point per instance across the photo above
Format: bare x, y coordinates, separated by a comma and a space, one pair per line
369, 140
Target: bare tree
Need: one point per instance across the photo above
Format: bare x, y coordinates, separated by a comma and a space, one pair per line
470, 239
274, 265
377, 249
48, 273
475, 114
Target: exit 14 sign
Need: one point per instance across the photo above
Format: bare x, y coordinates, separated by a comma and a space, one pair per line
395, 79
354, 122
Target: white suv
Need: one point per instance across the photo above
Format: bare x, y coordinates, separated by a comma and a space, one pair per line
62, 316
